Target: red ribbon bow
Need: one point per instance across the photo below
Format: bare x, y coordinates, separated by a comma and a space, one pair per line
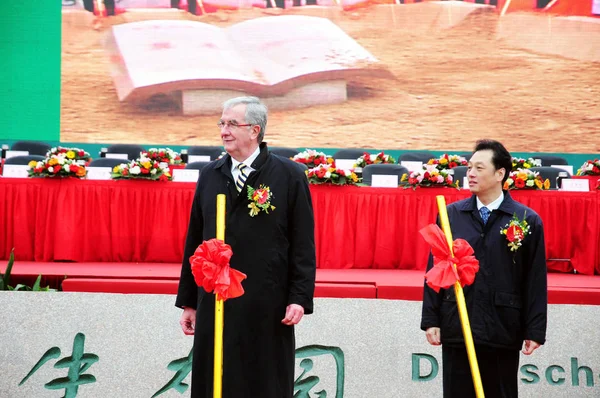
210, 267
443, 274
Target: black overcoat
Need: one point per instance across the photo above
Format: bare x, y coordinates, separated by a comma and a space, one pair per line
277, 253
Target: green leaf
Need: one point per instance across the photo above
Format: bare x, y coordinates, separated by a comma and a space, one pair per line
5, 279
36, 285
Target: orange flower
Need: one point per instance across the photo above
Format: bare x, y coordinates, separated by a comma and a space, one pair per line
539, 184
505, 187
81, 172
547, 184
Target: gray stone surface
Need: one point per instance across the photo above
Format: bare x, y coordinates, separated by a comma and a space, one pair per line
136, 336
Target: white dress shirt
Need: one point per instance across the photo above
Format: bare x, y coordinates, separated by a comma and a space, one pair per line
492, 206
235, 172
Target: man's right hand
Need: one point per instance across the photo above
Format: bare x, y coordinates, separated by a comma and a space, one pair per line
433, 336
188, 320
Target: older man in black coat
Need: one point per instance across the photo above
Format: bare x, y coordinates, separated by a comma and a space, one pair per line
275, 250
507, 303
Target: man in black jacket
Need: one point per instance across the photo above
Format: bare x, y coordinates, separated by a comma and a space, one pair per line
507, 303
275, 249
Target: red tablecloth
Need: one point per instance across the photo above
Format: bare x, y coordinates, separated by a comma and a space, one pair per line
142, 221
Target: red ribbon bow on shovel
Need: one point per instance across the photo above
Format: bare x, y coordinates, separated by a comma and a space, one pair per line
210, 267
443, 274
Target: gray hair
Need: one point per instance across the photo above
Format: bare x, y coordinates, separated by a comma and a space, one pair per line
256, 112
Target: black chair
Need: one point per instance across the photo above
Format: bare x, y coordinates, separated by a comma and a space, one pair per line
107, 162
196, 165
389, 169
418, 156
551, 160
132, 150
33, 147
550, 173
284, 151
351, 153
460, 172
466, 155
25, 159
213, 151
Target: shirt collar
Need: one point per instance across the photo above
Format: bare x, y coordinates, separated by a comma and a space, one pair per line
492, 206
248, 162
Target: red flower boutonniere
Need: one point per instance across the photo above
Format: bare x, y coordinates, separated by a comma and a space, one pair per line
260, 199
515, 232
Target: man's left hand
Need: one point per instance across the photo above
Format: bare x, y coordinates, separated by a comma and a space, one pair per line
293, 314
530, 347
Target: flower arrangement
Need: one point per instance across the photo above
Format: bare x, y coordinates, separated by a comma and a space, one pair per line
312, 159
164, 155
590, 168
520, 163
57, 166
515, 232
142, 168
70, 154
260, 199
429, 176
525, 179
380, 158
324, 173
446, 162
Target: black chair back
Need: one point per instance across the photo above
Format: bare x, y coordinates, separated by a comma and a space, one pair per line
132, 150
284, 151
460, 172
33, 147
107, 162
418, 156
389, 169
25, 159
213, 151
550, 160
550, 173
351, 153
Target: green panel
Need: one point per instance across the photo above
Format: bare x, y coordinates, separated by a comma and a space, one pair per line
30, 70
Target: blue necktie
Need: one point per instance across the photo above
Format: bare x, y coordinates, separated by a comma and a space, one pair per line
485, 214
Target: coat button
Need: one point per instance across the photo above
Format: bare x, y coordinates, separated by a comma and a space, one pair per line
482, 235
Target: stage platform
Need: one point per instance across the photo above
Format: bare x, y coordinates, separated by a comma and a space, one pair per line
162, 278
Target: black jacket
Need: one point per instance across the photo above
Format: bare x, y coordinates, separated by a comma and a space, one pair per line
507, 303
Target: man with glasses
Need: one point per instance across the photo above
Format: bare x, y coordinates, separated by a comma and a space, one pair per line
273, 244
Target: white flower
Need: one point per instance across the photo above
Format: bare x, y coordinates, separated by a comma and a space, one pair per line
510, 181
589, 167
530, 183
50, 169
440, 179
328, 174
164, 165
153, 171
135, 170
419, 178
39, 165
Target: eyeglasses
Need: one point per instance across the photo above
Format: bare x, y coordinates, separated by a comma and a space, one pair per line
231, 124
